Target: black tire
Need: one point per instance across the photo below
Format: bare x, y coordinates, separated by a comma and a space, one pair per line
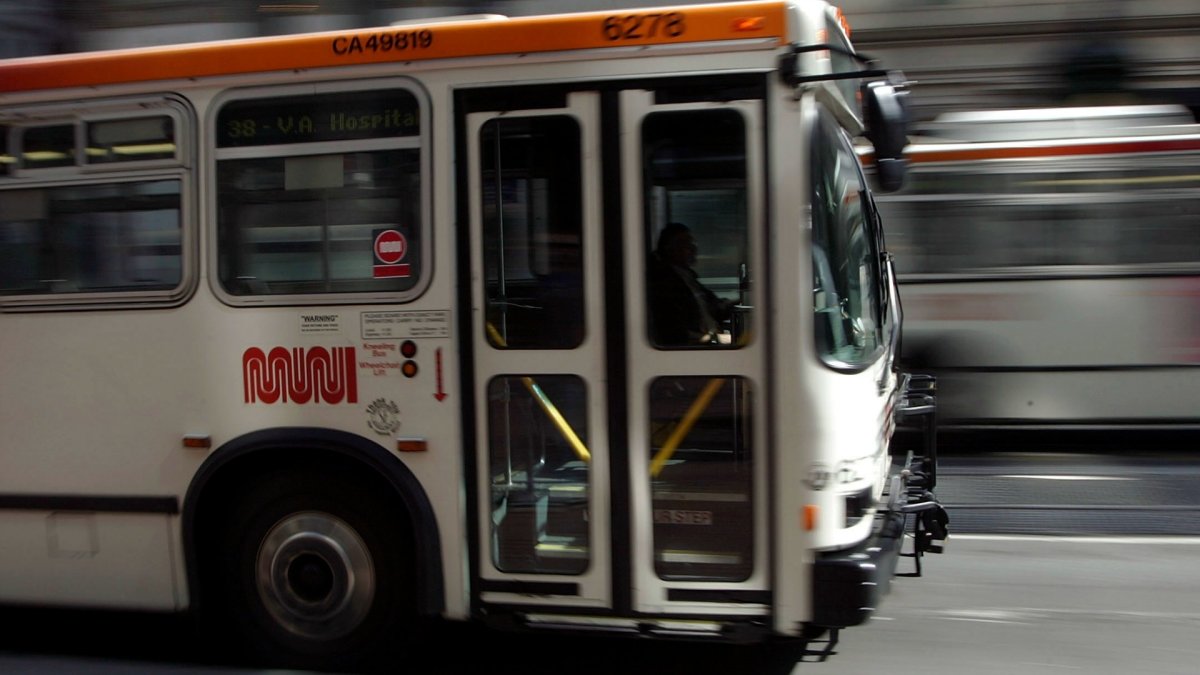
314, 571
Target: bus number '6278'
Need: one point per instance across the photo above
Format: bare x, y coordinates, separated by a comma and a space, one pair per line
644, 26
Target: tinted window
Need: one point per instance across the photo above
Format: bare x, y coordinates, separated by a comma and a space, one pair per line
296, 218
130, 140
48, 147
701, 477
697, 231
310, 224
539, 468
846, 263
533, 232
7, 160
104, 222
91, 238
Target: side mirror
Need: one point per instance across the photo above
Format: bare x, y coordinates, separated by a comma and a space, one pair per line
885, 114
890, 173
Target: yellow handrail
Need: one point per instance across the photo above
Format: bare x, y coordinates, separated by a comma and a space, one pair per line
685, 425
547, 406
564, 427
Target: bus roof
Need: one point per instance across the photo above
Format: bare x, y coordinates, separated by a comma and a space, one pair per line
431, 39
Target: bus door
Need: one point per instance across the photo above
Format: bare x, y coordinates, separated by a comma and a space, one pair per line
618, 432
539, 372
695, 391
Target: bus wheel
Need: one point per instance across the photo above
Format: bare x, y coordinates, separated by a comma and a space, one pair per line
315, 576
316, 572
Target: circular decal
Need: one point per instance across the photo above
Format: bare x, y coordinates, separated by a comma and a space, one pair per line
390, 247
383, 416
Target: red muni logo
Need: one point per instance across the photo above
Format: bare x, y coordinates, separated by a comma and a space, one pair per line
299, 375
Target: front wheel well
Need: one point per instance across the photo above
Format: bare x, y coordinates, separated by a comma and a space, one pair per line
248, 472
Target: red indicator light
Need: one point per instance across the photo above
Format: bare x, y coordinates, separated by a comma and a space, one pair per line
749, 23
408, 349
411, 445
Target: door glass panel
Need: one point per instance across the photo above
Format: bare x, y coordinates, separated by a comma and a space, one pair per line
701, 477
539, 466
532, 230
696, 238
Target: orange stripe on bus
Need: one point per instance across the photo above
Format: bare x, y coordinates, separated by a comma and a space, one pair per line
590, 30
961, 154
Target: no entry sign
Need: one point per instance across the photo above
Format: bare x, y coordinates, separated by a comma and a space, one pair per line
390, 249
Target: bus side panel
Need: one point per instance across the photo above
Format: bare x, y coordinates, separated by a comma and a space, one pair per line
105, 401
1023, 351
111, 560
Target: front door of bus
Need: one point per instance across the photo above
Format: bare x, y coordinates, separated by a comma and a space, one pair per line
618, 388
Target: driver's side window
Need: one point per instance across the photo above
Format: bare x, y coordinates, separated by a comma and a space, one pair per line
846, 262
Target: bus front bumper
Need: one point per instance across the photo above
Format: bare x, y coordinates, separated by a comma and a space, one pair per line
848, 584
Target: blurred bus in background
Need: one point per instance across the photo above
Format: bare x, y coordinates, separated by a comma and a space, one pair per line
1050, 261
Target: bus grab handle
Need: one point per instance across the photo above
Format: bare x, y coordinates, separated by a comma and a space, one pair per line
547, 406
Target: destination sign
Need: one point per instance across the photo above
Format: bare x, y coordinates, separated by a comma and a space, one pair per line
339, 116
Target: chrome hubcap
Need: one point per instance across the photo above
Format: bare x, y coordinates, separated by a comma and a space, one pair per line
315, 576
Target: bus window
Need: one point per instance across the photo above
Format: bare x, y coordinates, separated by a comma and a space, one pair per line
294, 217
91, 238
846, 274
533, 232
130, 140
48, 147
6, 158
697, 278
539, 474
701, 475
85, 237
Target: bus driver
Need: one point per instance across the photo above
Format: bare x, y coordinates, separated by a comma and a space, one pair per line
682, 311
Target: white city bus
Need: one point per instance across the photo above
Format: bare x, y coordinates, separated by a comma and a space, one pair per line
1050, 266
320, 335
